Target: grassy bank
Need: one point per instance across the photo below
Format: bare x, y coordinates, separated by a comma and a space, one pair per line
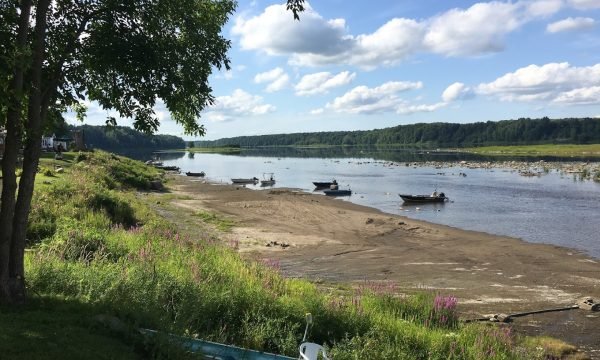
568, 150
98, 248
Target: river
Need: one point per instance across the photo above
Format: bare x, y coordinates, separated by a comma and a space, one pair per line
553, 208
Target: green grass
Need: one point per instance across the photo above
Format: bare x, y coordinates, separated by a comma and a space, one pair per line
216, 220
99, 249
53, 328
540, 150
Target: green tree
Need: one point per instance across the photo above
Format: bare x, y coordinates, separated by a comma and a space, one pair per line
126, 55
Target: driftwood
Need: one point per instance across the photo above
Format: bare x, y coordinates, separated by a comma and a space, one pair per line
586, 303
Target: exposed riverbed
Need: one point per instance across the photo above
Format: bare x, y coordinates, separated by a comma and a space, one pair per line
553, 206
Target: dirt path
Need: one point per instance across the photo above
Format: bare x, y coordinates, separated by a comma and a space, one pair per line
335, 241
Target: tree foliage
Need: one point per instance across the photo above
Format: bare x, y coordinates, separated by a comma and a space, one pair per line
128, 55
506, 132
119, 138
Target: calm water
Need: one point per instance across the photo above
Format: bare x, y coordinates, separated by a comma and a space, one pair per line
550, 209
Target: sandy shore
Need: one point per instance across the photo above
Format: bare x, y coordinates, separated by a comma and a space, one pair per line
334, 241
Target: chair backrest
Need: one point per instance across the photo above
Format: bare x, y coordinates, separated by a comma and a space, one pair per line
310, 351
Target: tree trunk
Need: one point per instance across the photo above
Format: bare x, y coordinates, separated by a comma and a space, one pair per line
11, 151
31, 156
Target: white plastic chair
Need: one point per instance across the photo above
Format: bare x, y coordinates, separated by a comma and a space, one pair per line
311, 351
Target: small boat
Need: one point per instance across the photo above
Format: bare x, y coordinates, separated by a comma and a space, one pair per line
197, 174
252, 180
268, 180
154, 163
324, 184
167, 167
212, 350
433, 198
338, 192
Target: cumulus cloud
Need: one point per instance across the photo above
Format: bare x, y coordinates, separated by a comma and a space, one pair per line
405, 109
322, 82
571, 24
277, 79
238, 104
558, 82
380, 99
457, 91
581, 96
477, 30
317, 111
585, 4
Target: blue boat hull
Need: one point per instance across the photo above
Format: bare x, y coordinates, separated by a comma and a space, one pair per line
218, 351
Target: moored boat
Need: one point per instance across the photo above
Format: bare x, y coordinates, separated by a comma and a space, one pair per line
197, 174
338, 192
268, 180
167, 167
433, 198
324, 184
252, 180
213, 350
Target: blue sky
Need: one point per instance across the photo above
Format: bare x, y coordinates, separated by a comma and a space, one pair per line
356, 65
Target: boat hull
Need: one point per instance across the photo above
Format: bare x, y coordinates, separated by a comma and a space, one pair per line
200, 174
245, 181
214, 350
338, 192
322, 185
267, 182
423, 198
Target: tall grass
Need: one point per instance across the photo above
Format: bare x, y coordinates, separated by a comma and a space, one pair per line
100, 245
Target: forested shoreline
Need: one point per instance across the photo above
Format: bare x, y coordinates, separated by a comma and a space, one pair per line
124, 138
506, 132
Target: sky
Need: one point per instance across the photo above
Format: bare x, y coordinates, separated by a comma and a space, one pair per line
359, 65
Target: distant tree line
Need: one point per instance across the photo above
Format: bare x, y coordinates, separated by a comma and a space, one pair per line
120, 138
507, 132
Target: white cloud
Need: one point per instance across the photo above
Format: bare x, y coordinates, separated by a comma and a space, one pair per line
230, 74
571, 24
411, 109
238, 104
317, 111
550, 82
273, 32
322, 82
313, 41
581, 96
476, 30
457, 91
277, 79
380, 99
268, 76
585, 4
543, 8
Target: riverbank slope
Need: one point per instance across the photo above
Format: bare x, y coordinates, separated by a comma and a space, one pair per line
335, 242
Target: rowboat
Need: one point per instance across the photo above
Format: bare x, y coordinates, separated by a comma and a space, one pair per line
197, 174
433, 198
338, 192
213, 350
322, 185
252, 180
167, 167
268, 180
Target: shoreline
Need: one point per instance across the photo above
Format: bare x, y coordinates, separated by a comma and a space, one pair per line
339, 242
